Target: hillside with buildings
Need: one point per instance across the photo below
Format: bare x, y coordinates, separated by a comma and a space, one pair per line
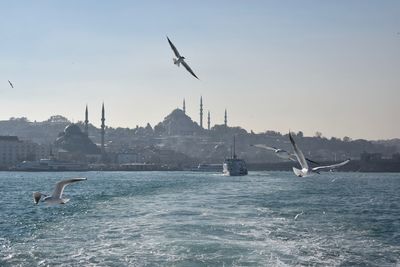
177, 141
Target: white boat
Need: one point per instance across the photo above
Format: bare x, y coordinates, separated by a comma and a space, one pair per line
234, 166
50, 165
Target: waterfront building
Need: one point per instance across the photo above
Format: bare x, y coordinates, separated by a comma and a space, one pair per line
13, 151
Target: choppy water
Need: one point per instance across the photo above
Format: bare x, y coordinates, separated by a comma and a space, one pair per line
202, 219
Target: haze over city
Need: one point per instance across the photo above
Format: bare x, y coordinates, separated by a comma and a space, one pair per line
308, 66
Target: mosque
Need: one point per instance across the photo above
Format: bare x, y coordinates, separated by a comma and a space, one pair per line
73, 144
178, 123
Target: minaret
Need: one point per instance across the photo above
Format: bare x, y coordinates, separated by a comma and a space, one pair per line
103, 126
86, 121
51, 155
201, 111
234, 147
208, 121
184, 106
226, 119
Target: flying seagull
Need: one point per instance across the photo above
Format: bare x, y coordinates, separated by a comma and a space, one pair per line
305, 169
12, 86
298, 214
281, 153
56, 197
179, 59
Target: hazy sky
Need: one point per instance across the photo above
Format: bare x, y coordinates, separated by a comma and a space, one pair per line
328, 66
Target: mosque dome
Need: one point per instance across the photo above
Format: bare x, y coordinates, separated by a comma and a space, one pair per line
72, 129
74, 140
178, 123
178, 113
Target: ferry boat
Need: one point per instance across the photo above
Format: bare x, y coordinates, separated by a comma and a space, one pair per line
234, 166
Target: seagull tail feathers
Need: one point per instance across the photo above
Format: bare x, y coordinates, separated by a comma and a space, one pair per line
176, 62
297, 172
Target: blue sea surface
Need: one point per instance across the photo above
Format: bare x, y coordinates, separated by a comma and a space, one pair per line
202, 219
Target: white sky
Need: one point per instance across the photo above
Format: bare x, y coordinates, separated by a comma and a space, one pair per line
309, 66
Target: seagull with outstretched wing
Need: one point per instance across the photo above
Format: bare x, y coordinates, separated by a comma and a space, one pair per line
12, 86
180, 59
56, 197
305, 169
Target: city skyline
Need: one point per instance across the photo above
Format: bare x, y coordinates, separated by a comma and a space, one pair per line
309, 66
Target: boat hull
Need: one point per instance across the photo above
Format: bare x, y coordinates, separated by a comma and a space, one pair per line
234, 167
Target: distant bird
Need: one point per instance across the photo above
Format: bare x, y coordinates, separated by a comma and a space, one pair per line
56, 197
180, 60
298, 214
281, 153
305, 169
12, 86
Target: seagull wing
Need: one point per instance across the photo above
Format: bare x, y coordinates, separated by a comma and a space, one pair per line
265, 147
309, 160
58, 191
293, 157
189, 69
283, 154
298, 153
12, 86
174, 48
331, 166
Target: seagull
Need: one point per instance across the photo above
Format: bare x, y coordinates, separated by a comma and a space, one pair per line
297, 215
12, 86
180, 60
305, 169
281, 153
56, 197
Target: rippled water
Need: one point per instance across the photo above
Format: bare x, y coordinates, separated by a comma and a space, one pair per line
202, 219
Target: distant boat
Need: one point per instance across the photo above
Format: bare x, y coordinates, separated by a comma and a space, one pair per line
50, 165
234, 166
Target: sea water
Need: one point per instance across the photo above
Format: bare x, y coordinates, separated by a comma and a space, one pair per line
201, 219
